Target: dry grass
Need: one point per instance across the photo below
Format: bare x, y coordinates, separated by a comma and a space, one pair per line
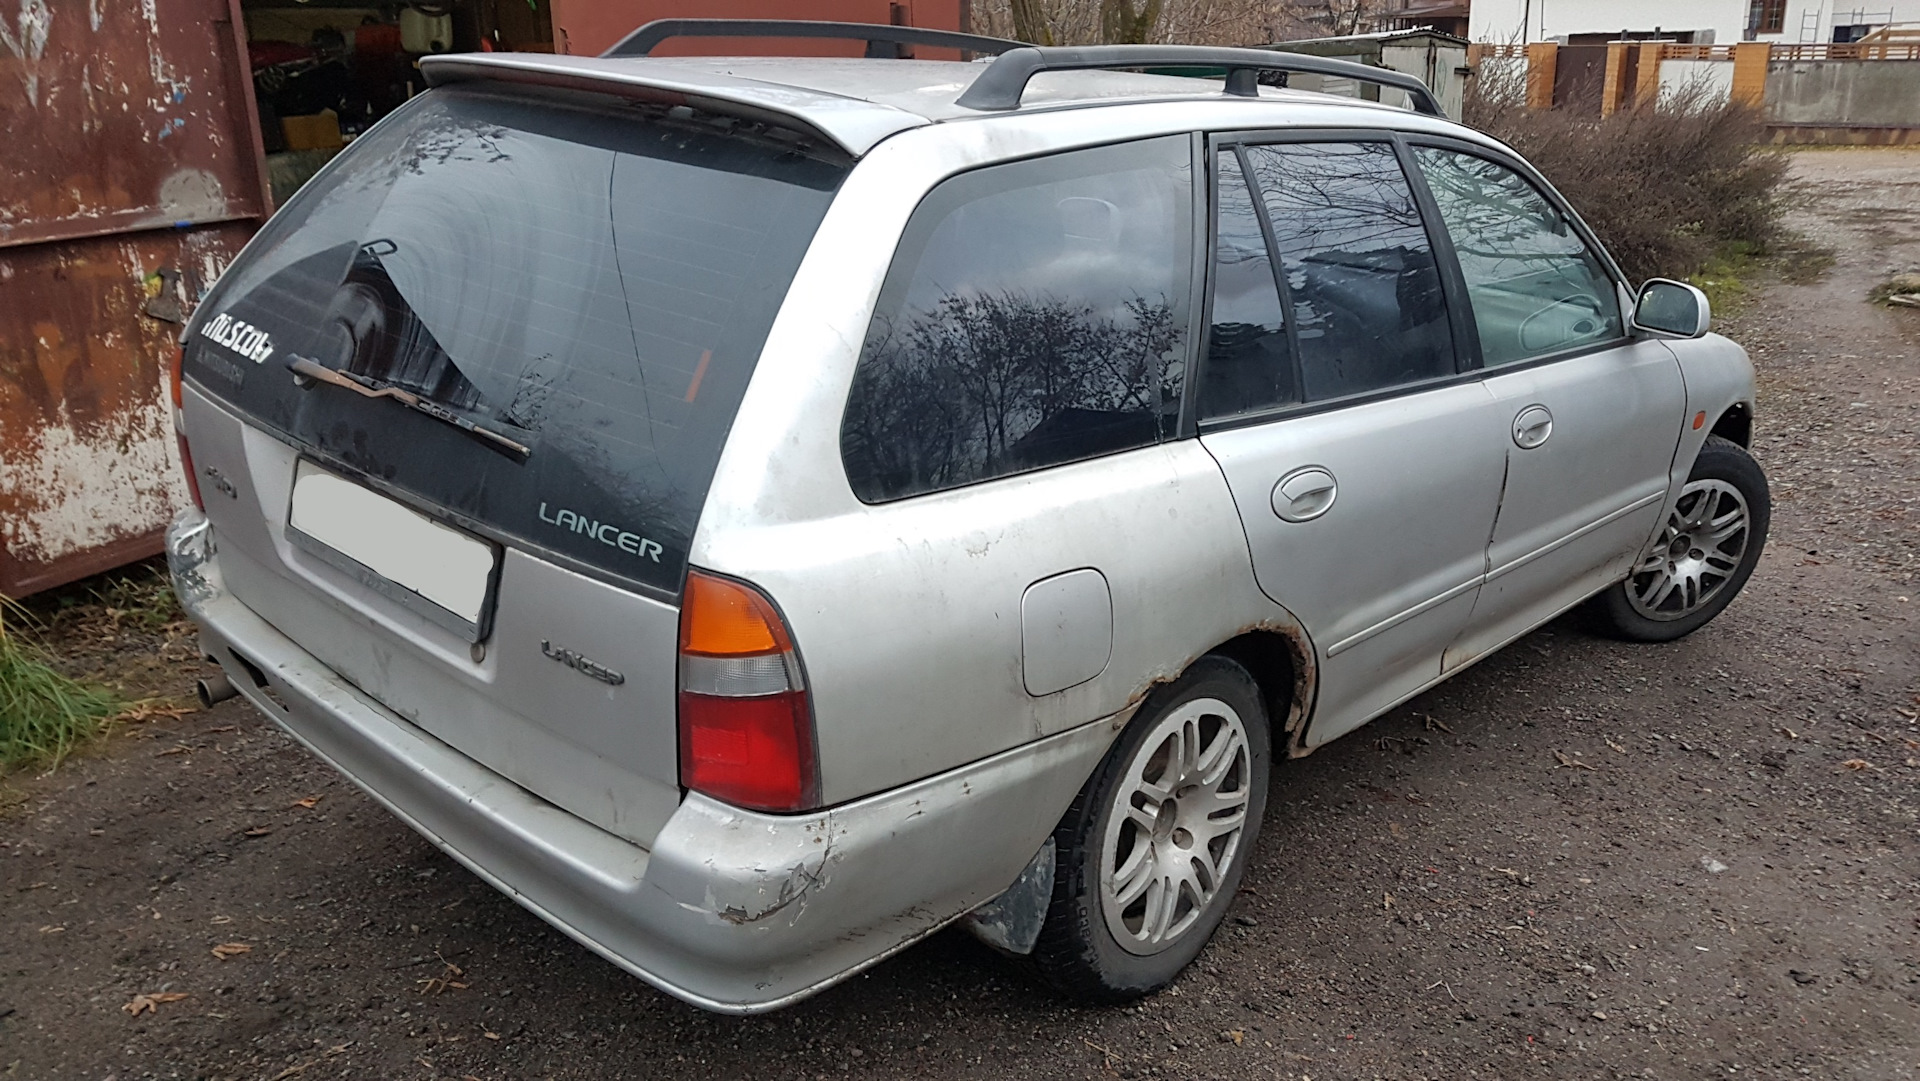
133, 599
1901, 290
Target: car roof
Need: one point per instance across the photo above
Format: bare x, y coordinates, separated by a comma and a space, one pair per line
853, 102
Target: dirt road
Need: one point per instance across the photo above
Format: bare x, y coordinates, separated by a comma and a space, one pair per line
1579, 859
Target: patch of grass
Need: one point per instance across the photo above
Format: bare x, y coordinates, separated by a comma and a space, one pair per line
43, 714
1727, 277
122, 629
1731, 273
141, 599
134, 598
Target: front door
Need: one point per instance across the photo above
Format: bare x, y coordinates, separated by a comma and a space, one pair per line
1592, 415
1366, 468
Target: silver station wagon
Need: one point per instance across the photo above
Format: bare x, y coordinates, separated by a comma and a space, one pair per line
756, 512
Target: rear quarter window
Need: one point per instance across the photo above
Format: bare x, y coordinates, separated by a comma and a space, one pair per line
591, 279
1034, 314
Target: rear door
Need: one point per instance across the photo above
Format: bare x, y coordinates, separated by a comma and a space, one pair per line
572, 296
1592, 415
1366, 467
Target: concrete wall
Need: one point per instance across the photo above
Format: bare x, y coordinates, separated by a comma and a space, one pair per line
1499, 21
1844, 93
1714, 78
1804, 101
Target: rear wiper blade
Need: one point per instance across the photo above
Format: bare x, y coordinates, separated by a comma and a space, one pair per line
302, 367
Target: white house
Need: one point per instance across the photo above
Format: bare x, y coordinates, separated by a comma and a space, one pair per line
1698, 22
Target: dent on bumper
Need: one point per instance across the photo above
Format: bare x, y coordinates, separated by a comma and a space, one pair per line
731, 910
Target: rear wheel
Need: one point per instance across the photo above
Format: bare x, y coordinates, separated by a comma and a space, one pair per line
1706, 551
1153, 848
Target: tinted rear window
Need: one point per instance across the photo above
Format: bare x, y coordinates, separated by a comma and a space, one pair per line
595, 282
1034, 314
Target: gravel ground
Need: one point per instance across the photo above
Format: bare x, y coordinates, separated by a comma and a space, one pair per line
1578, 859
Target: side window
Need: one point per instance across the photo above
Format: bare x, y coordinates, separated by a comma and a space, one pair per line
1535, 287
1034, 314
1248, 366
1362, 287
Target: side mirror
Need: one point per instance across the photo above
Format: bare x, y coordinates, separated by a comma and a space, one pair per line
1671, 307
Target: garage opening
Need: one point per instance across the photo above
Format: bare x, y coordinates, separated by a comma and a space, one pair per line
324, 71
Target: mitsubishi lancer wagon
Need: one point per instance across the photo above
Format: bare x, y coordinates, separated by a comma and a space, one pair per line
756, 512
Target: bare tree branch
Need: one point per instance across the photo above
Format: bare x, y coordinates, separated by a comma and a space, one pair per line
1122, 22
1190, 22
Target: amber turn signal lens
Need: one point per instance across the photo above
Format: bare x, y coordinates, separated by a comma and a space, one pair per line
720, 618
1699, 421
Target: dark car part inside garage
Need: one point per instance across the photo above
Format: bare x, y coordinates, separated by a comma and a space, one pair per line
325, 72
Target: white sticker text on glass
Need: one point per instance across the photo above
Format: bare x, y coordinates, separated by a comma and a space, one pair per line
243, 338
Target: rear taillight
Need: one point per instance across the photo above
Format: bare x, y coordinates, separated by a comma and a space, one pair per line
746, 725
180, 424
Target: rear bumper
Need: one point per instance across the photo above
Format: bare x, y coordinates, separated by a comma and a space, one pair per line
730, 910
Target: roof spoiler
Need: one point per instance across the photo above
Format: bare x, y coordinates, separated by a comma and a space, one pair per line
854, 126
1000, 87
883, 42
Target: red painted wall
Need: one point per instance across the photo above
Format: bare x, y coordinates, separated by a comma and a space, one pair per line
588, 27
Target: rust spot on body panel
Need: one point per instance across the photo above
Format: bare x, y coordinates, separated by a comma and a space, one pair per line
133, 123
89, 471
1298, 698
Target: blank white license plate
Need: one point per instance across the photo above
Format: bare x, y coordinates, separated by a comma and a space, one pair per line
399, 545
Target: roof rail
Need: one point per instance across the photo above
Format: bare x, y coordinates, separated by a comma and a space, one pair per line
1000, 86
880, 39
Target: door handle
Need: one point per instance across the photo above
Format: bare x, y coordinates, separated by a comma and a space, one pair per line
1532, 427
1304, 494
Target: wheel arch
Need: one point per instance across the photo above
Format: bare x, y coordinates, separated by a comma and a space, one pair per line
1280, 660
1735, 425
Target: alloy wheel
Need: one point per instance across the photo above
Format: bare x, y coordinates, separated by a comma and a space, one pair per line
1699, 550
1175, 825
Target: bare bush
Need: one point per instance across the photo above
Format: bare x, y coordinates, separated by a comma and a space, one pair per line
1667, 186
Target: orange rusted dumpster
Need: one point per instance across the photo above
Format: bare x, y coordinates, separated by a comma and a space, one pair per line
129, 177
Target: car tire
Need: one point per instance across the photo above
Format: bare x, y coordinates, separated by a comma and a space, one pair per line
1108, 940
1688, 578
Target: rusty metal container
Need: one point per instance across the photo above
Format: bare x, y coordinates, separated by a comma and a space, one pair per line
130, 175
131, 172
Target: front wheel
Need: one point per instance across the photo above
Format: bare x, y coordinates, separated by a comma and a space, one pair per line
1706, 551
1153, 848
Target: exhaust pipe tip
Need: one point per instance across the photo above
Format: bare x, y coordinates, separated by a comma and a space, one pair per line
213, 689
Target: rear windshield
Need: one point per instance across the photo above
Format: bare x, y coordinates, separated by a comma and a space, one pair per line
590, 282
